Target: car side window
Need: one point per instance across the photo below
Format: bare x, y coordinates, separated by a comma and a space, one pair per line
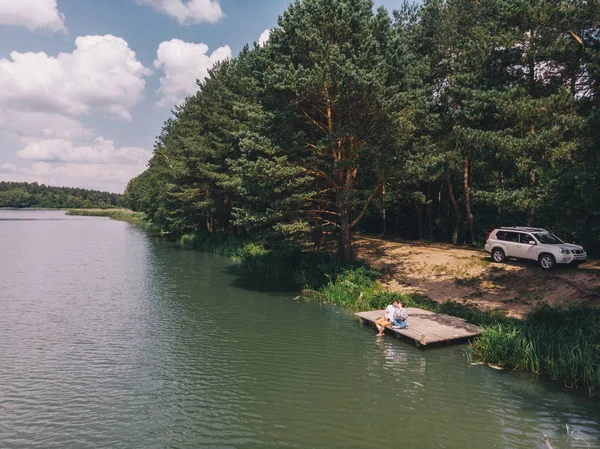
525, 239
500, 235
511, 237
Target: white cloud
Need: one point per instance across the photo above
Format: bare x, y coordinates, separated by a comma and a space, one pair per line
94, 163
188, 12
35, 125
8, 168
183, 63
99, 151
264, 38
109, 177
33, 14
102, 74
41, 98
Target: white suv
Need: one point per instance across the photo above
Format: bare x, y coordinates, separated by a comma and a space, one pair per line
532, 244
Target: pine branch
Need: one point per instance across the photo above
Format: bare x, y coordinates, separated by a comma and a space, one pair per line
366, 206
322, 174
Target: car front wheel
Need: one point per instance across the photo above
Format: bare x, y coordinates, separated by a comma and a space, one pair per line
547, 261
498, 255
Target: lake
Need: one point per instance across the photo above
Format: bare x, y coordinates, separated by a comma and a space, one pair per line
112, 338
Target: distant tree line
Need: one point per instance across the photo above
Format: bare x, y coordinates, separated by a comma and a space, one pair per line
436, 122
23, 194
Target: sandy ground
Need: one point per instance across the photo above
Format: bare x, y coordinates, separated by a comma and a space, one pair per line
445, 272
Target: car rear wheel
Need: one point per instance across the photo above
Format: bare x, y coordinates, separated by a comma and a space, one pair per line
547, 261
498, 255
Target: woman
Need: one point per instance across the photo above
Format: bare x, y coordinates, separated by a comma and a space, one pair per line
388, 319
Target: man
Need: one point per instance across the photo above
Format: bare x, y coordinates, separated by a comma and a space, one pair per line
388, 319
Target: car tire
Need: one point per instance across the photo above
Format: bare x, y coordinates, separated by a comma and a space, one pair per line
498, 255
547, 261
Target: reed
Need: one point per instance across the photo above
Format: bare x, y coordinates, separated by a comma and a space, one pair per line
115, 214
565, 344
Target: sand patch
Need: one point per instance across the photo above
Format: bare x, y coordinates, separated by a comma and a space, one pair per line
444, 272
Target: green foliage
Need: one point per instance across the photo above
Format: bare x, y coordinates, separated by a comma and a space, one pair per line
438, 122
345, 289
22, 194
217, 244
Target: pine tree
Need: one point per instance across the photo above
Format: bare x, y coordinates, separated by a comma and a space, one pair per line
335, 74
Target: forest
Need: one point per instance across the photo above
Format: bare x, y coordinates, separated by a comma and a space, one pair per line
437, 122
23, 194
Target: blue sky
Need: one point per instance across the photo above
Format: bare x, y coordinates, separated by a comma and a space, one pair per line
85, 85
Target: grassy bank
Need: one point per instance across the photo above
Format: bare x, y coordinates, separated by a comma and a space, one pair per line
564, 344
283, 266
116, 214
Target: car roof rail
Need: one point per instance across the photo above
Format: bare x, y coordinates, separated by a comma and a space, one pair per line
524, 228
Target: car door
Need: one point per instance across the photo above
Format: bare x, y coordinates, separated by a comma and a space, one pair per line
511, 242
527, 247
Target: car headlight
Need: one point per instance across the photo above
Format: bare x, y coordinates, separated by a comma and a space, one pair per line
565, 251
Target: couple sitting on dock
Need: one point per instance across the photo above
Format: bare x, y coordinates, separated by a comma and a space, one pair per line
395, 316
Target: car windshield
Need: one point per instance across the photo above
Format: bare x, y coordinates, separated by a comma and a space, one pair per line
548, 239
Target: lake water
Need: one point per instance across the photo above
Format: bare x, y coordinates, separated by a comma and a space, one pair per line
110, 338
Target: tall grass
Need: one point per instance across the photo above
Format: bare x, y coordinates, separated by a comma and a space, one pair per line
565, 344
115, 214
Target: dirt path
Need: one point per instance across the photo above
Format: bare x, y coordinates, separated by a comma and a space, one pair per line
444, 272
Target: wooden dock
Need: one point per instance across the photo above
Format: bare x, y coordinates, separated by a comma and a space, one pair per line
427, 328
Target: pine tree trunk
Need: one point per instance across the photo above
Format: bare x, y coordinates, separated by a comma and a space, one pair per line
397, 224
344, 240
531, 213
383, 211
467, 188
429, 219
499, 184
419, 219
456, 208
531, 216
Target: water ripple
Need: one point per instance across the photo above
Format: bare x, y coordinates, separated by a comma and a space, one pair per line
109, 339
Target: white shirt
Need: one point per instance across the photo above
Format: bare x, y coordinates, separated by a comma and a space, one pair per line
390, 312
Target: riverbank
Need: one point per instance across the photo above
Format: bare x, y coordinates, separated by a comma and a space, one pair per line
558, 340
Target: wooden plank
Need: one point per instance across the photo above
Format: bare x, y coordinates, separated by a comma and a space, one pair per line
426, 328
